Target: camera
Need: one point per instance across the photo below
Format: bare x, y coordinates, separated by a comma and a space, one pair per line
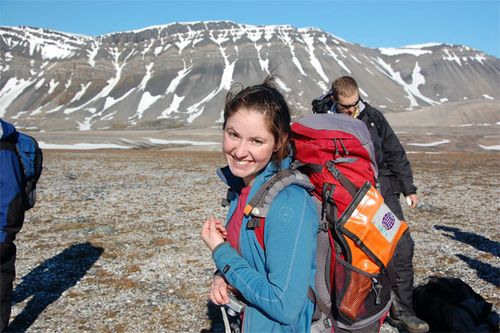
234, 307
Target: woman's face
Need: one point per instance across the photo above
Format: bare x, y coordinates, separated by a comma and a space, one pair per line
247, 144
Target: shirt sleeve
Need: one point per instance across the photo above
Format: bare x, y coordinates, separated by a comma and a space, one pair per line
394, 156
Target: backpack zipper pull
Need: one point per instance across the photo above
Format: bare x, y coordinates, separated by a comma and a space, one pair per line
336, 148
346, 152
377, 287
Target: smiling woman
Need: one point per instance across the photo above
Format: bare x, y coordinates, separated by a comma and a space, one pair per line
247, 145
270, 279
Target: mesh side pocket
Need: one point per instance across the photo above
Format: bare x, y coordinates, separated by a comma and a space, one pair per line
351, 291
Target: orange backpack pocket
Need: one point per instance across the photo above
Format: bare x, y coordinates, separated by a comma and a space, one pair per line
372, 230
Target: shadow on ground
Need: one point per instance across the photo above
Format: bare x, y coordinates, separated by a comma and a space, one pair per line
49, 280
215, 318
484, 270
479, 242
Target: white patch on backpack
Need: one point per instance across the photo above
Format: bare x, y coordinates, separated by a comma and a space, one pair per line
386, 222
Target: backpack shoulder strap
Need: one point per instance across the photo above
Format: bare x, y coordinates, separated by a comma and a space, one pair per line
7, 145
259, 205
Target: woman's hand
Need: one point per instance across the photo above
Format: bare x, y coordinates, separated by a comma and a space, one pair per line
219, 291
213, 233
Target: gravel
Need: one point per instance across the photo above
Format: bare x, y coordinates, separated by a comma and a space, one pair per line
113, 243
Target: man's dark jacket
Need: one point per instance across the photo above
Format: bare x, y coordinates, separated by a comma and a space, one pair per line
390, 154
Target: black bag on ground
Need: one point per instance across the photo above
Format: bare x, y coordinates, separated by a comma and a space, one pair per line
448, 304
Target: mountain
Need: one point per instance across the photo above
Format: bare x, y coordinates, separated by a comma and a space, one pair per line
178, 74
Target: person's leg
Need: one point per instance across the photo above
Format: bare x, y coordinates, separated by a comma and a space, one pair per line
401, 270
401, 273
7, 274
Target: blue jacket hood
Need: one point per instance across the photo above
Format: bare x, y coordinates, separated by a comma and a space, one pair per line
7, 131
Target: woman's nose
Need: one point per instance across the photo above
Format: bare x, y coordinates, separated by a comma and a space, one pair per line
241, 149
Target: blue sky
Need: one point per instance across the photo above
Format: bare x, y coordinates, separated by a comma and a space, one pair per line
389, 23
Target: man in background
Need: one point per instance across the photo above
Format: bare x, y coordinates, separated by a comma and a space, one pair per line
12, 208
395, 177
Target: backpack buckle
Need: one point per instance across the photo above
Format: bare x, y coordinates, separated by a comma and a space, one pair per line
324, 226
330, 165
253, 223
328, 323
328, 189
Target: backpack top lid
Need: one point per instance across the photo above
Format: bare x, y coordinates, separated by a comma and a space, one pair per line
335, 125
318, 132
341, 139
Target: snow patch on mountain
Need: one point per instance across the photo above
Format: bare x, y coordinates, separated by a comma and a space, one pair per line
411, 89
287, 40
334, 55
10, 91
389, 51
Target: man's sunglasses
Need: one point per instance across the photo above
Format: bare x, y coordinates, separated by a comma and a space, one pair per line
348, 106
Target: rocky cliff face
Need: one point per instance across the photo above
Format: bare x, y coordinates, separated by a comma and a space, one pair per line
178, 74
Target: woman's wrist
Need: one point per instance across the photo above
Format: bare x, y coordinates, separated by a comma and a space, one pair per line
218, 246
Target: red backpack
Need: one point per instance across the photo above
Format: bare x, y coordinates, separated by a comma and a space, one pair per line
358, 233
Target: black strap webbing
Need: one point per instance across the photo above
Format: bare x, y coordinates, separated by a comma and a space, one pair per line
348, 185
309, 168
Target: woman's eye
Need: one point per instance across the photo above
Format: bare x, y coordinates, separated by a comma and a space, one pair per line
257, 141
232, 134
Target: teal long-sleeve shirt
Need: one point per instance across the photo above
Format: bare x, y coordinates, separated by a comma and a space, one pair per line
274, 282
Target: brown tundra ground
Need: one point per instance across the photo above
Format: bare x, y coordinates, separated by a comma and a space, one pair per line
113, 243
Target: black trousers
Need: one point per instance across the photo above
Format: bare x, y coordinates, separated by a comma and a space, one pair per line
7, 275
401, 267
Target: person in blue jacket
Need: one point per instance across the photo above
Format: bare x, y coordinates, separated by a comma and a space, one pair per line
271, 278
12, 207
